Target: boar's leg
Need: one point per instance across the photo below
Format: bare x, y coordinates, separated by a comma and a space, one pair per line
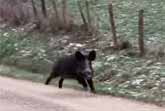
52, 75
48, 80
61, 82
91, 85
83, 82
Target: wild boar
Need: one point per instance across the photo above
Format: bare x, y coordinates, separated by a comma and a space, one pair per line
76, 66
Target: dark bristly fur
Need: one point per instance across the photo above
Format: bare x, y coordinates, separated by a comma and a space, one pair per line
77, 66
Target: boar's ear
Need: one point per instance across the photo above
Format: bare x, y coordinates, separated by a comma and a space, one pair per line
92, 55
79, 55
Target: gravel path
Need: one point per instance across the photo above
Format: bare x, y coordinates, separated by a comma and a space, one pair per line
20, 95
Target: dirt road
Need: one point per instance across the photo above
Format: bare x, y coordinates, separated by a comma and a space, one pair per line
19, 95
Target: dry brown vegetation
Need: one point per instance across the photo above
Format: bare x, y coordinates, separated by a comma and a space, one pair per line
15, 12
21, 12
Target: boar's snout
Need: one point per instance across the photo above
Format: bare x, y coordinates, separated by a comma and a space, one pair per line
87, 74
84, 64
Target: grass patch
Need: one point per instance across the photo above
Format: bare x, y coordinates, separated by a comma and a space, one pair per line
14, 72
133, 77
20, 73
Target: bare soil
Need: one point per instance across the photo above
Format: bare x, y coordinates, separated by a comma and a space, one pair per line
20, 95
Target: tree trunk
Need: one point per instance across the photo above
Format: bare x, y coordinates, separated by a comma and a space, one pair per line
88, 14
64, 13
55, 10
43, 8
141, 33
113, 28
34, 8
82, 15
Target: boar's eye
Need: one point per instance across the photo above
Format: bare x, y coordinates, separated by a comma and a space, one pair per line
92, 55
79, 55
